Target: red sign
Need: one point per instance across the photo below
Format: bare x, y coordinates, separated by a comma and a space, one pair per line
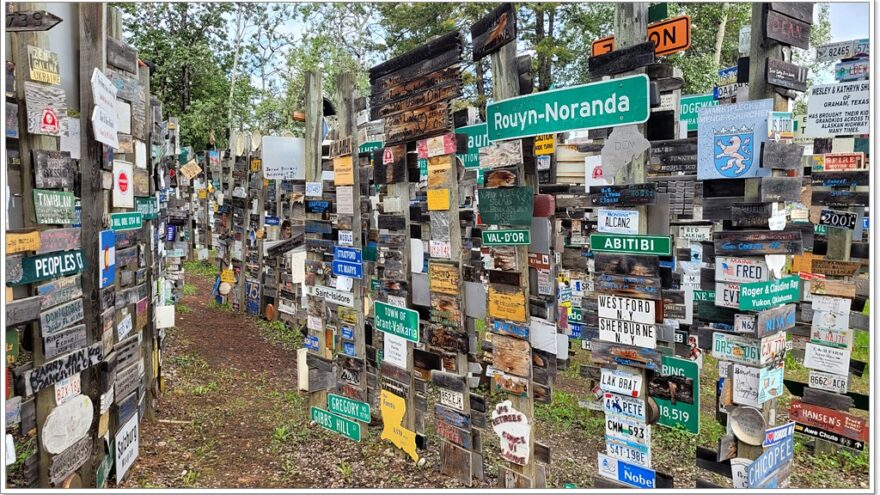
844, 161
49, 121
844, 424
387, 156
123, 182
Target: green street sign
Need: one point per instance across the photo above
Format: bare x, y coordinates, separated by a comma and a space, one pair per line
349, 408
126, 221
704, 295
147, 207
337, 424
507, 238
30, 269
478, 137
596, 105
680, 413
756, 296
370, 146
690, 105
576, 315
396, 321
658, 12
54, 207
632, 244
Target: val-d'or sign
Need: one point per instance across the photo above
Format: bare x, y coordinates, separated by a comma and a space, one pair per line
486, 263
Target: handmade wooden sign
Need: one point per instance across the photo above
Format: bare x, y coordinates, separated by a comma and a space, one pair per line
757, 242
622, 60
506, 206
121, 55
64, 341
68, 462
513, 430
19, 242
493, 31
627, 195
44, 66
44, 267
837, 422
59, 240
46, 109
55, 319
30, 20
671, 156
788, 30
775, 189
827, 102
67, 424
782, 155
54, 207
786, 75
53, 169
59, 291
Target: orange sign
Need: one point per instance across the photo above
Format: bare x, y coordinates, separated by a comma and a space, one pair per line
669, 36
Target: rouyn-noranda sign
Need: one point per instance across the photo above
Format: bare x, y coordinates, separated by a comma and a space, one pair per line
596, 105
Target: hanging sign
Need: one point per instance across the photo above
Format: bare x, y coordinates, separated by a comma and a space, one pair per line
589, 106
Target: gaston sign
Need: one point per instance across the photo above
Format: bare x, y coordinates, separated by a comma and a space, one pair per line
588, 106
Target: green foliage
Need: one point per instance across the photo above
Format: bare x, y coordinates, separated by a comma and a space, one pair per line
200, 268
183, 308
564, 413
280, 333
189, 290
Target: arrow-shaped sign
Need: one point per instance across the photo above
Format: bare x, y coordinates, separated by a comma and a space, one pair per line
29, 20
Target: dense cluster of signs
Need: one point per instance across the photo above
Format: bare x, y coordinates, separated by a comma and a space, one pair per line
100, 356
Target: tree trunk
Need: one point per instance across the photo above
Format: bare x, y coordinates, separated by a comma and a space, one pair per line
719, 35
539, 37
548, 75
481, 88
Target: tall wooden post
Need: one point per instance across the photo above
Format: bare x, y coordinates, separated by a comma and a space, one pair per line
505, 84
150, 345
92, 55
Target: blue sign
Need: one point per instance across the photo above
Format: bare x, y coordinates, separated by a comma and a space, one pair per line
626, 473
215, 290
317, 206
272, 220
353, 270
311, 342
510, 328
348, 349
79, 218
107, 255
348, 333
575, 331
778, 434
170, 230
729, 138
350, 255
761, 472
865, 221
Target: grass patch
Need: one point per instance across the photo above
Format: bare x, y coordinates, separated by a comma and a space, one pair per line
200, 268
189, 290
190, 478
278, 332
221, 306
564, 413
183, 309
205, 389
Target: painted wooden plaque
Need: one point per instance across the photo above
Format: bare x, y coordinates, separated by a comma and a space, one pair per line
46, 109
53, 169
67, 424
59, 240
507, 304
54, 207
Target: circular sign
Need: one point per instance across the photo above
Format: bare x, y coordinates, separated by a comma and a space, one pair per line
123, 182
270, 312
748, 424
653, 411
224, 288
67, 423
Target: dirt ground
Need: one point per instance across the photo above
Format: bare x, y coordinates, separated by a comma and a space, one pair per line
230, 416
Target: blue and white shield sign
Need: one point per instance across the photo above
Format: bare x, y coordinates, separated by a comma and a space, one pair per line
729, 140
734, 151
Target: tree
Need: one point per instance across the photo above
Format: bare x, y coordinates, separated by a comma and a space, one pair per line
820, 34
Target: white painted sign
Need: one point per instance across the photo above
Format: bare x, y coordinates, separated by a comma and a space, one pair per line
127, 442
105, 126
621, 146
513, 430
618, 221
838, 109
67, 423
103, 90
745, 385
594, 173
840, 305
542, 335
395, 351
283, 158
627, 308
628, 332
345, 200
740, 270
828, 359
828, 381
123, 184
621, 382
695, 232
331, 295
67, 389
745, 40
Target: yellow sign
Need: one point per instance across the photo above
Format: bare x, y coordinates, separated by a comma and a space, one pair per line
438, 199
256, 164
343, 171
507, 305
444, 278
393, 409
227, 276
43, 65
203, 193
439, 171
17, 243
191, 169
802, 263
545, 144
